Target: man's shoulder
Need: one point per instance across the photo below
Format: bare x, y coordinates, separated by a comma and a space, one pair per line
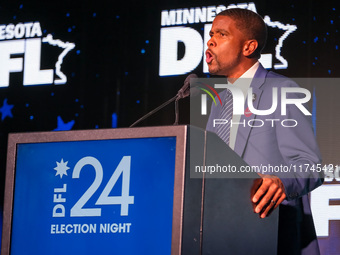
277, 80
272, 74
264, 78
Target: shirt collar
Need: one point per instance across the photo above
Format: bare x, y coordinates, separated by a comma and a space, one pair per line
250, 73
246, 78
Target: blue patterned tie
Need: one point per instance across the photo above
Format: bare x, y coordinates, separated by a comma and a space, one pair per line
223, 131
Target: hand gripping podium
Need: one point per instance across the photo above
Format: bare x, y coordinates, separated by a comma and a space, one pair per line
154, 190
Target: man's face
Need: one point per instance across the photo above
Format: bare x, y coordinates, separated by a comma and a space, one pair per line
224, 53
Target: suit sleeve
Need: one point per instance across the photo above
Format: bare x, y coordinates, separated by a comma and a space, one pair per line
299, 149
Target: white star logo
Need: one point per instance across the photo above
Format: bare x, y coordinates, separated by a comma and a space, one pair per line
61, 168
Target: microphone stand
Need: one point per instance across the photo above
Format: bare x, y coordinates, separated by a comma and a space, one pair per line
182, 93
176, 111
155, 110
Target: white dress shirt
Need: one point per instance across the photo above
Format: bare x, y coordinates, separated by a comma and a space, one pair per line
243, 83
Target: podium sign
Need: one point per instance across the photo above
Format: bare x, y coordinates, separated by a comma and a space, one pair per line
96, 192
129, 191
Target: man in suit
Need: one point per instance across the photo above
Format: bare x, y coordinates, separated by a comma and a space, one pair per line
237, 38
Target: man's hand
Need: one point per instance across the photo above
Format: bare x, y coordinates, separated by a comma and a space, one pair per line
267, 194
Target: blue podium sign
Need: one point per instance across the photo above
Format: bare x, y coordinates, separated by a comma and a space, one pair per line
112, 196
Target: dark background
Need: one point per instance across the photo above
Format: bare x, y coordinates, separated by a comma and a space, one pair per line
114, 66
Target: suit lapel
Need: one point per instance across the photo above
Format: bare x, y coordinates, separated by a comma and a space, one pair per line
244, 131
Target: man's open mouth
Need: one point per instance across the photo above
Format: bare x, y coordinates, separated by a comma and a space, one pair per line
209, 56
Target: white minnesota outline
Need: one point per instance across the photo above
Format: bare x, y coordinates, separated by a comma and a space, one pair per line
67, 46
289, 29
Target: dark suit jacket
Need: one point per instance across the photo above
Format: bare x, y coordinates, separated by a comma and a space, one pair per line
282, 146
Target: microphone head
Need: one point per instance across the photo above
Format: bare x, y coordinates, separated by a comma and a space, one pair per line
185, 90
190, 76
194, 91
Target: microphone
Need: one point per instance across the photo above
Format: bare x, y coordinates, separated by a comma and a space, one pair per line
185, 90
182, 93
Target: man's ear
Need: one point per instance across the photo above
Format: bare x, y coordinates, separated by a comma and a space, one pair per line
249, 47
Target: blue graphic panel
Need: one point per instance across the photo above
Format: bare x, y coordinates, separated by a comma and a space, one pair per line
94, 197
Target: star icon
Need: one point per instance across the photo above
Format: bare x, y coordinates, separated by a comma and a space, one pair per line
61, 168
62, 126
6, 110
